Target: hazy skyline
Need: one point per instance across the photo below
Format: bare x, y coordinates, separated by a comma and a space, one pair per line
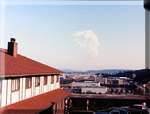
79, 37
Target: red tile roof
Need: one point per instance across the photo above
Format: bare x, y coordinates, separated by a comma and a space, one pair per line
35, 104
22, 66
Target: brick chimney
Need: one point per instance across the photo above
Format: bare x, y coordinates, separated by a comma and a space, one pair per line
12, 47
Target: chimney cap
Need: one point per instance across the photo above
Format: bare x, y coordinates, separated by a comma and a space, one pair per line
12, 39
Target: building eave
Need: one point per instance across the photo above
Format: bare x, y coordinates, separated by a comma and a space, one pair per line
28, 75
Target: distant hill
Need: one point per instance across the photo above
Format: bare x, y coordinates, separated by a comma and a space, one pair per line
68, 70
107, 71
141, 76
104, 71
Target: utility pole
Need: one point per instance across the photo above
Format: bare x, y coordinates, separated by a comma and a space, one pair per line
147, 33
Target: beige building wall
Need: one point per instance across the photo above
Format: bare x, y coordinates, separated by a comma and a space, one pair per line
9, 97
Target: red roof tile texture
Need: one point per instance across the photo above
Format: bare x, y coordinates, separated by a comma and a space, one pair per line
22, 66
35, 104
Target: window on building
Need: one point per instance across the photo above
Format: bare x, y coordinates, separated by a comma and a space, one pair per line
52, 79
28, 82
45, 80
0, 87
37, 81
57, 78
15, 85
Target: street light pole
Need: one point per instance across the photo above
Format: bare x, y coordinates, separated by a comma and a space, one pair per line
147, 33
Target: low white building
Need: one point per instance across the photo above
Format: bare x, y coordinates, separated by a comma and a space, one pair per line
96, 90
86, 84
89, 87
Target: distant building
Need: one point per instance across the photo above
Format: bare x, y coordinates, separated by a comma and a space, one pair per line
90, 87
147, 89
94, 90
86, 84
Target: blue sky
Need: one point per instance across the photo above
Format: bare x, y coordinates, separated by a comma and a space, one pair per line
79, 37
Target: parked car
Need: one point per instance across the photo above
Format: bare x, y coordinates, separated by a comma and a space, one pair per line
128, 111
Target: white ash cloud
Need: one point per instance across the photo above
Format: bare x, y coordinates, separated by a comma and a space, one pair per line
88, 40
